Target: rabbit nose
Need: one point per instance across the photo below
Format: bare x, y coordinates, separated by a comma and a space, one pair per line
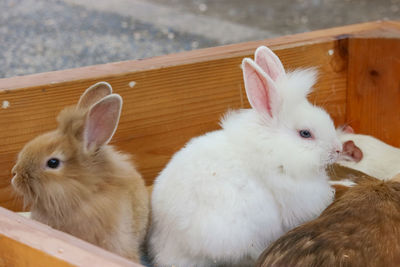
338, 148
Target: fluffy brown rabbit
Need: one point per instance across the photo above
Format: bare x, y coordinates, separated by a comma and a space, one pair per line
77, 183
341, 178
361, 228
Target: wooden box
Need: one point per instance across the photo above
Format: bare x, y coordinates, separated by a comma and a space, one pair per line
169, 99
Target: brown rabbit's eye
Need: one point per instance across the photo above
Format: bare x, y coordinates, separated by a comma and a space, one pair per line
305, 133
53, 163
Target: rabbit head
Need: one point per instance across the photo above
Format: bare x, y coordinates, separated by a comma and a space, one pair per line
303, 133
63, 166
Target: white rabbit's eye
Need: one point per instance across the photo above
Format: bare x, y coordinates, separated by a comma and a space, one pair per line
53, 163
305, 134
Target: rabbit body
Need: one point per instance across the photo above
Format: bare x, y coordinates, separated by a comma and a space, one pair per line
112, 214
94, 192
360, 228
377, 158
215, 198
224, 207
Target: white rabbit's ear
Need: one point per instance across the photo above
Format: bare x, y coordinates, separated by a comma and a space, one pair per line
102, 121
351, 151
260, 88
269, 62
348, 129
93, 94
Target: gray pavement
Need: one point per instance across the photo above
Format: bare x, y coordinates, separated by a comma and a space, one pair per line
45, 35
291, 16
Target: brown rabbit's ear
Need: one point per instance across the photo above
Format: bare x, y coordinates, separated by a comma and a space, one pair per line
101, 122
93, 94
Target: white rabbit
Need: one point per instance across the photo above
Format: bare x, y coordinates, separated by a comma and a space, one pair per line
367, 154
229, 193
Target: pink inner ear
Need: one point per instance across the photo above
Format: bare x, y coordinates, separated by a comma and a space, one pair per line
261, 98
269, 63
258, 89
348, 129
351, 150
101, 123
94, 94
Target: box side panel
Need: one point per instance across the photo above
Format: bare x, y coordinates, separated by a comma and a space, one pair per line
374, 88
163, 107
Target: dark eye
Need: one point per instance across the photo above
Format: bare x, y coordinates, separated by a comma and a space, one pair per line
305, 133
53, 163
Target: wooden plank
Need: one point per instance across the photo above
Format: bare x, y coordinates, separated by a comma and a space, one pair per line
374, 88
24, 242
175, 97
382, 29
166, 107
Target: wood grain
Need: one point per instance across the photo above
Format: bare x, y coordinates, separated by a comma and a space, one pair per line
24, 242
374, 88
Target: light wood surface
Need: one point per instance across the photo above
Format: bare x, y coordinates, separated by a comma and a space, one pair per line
175, 97
24, 242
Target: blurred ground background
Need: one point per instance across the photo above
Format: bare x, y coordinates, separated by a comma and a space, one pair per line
45, 35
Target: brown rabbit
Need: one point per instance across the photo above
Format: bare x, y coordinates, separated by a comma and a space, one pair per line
338, 172
76, 183
340, 176
361, 228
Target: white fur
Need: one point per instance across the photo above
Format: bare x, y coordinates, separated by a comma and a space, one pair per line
379, 160
228, 194
345, 182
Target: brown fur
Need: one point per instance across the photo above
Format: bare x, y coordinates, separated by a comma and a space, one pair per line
96, 195
338, 172
361, 228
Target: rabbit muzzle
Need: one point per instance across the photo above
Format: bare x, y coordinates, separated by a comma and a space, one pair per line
335, 153
22, 183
